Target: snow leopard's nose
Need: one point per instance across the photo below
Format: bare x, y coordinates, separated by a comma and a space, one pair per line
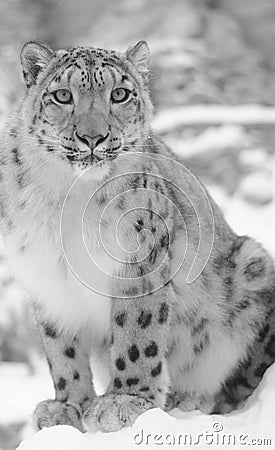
92, 141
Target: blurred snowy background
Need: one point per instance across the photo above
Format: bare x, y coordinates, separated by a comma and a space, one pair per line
213, 85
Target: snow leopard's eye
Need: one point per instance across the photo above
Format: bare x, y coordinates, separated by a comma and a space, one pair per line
62, 96
120, 95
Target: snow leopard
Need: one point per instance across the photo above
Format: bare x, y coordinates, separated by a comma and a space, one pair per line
124, 253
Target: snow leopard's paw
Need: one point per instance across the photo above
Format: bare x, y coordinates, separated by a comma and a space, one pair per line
51, 412
189, 402
111, 412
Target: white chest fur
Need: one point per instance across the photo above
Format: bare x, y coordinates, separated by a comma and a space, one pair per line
69, 274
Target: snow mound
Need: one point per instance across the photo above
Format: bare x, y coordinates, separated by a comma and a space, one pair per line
252, 426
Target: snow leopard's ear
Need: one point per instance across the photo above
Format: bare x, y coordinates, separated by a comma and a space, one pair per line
139, 55
34, 57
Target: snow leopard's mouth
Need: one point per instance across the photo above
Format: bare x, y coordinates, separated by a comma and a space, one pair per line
93, 159
93, 155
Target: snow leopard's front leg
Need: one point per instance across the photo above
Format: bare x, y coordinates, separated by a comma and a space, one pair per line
139, 374
68, 360
142, 299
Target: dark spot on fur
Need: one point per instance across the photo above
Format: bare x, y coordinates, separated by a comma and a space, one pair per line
140, 271
16, 156
152, 397
247, 363
121, 319
263, 332
153, 255
228, 281
64, 399
164, 241
102, 199
159, 186
265, 295
156, 370
76, 375
133, 353
144, 389
204, 278
139, 225
260, 370
200, 326
237, 245
151, 212
235, 381
213, 4
254, 269
69, 352
120, 364
242, 380
163, 313
151, 350
132, 381
131, 291
23, 204
117, 383
243, 304
201, 345
230, 317
144, 180
120, 203
221, 263
144, 319
198, 348
50, 330
270, 346
22, 178
227, 261
61, 384
134, 181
